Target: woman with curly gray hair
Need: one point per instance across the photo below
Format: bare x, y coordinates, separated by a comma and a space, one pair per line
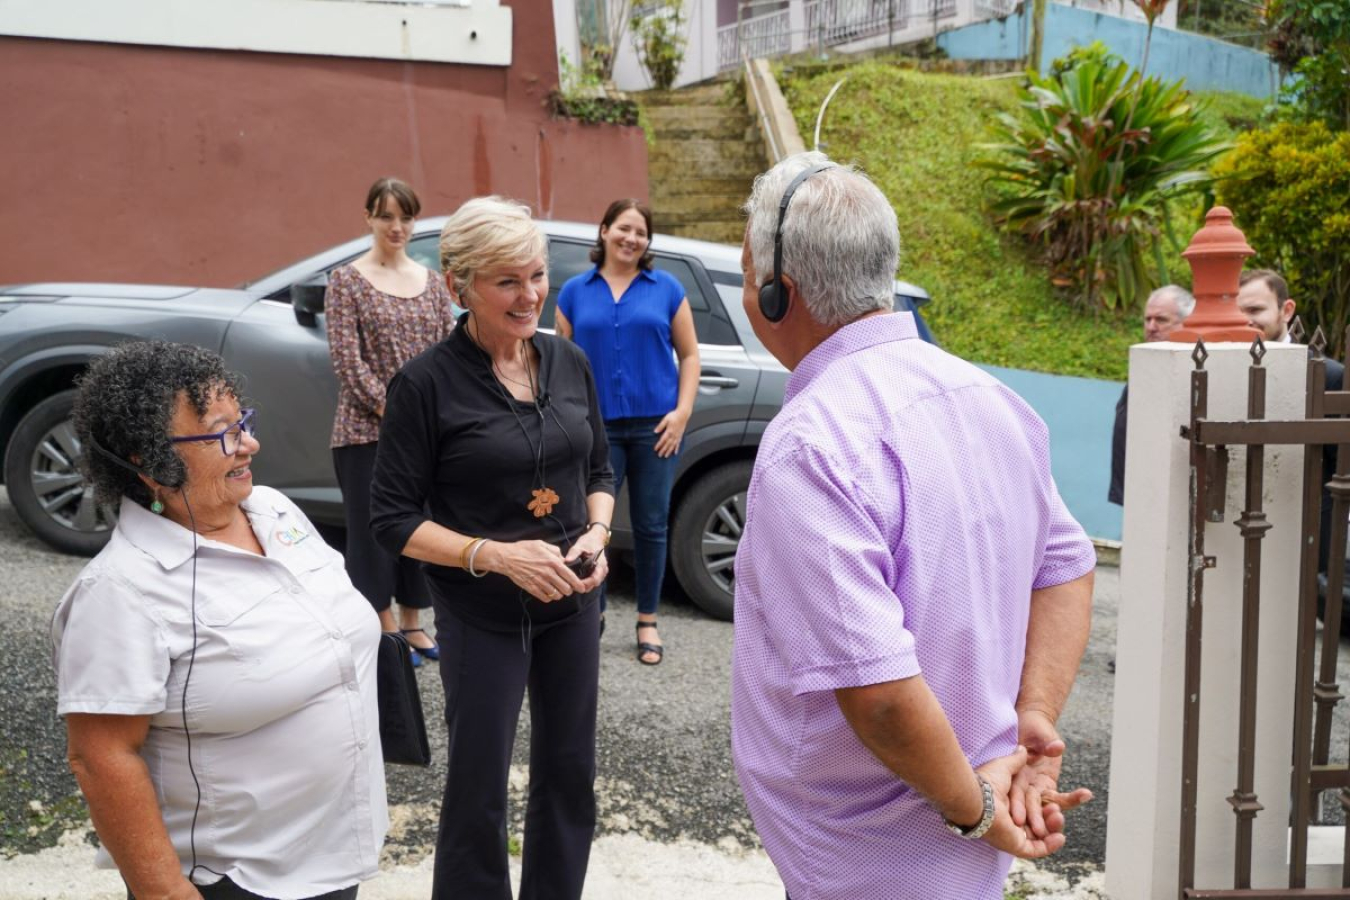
214, 636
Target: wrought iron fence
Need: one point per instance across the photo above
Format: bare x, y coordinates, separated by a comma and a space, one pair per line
763, 35
1323, 426
764, 27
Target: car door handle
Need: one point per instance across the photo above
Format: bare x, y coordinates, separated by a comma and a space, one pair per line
717, 381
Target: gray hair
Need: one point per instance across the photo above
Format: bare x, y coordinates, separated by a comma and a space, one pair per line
841, 245
126, 402
1178, 295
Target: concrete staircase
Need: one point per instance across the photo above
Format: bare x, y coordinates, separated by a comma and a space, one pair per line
706, 153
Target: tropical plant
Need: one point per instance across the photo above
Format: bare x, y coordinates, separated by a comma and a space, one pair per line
659, 36
1289, 189
1088, 169
1311, 40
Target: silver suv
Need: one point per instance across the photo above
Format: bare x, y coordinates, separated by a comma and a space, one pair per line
272, 331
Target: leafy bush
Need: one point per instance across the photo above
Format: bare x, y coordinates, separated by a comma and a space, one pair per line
1289, 189
582, 95
659, 36
1311, 38
1087, 171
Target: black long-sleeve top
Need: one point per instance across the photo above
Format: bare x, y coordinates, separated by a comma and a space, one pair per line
457, 449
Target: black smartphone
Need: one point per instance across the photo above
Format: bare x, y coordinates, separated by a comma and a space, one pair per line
582, 566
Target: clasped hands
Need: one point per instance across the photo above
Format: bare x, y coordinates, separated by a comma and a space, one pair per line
540, 569
1029, 808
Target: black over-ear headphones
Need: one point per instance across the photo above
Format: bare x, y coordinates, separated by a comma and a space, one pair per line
773, 299
171, 477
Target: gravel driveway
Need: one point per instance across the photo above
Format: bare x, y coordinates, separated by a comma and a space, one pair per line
672, 822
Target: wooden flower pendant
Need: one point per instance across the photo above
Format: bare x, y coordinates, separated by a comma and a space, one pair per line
544, 500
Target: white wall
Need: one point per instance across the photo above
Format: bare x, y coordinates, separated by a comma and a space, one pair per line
478, 32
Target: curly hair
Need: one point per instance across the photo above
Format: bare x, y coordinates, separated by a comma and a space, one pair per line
126, 402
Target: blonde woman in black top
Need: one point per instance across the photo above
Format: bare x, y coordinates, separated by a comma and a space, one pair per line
494, 469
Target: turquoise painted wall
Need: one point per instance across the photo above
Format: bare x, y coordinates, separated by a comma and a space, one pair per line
1080, 413
1205, 63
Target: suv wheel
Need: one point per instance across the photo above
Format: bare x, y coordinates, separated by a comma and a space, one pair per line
704, 536
44, 482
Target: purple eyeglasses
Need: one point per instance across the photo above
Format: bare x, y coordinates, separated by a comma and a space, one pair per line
230, 439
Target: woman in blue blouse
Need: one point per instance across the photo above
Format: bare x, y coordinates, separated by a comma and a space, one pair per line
634, 322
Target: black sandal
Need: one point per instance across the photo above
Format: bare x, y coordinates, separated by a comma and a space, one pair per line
643, 649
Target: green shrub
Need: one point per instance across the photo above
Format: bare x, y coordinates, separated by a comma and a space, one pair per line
582, 95
1289, 189
1087, 171
659, 36
1311, 39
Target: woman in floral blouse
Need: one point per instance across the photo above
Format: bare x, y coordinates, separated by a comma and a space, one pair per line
383, 309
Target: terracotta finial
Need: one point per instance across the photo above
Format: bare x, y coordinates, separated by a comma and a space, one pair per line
1216, 254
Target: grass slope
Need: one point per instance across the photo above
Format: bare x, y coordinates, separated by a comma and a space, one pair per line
915, 134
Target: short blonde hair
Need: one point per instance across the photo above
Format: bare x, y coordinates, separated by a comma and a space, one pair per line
486, 233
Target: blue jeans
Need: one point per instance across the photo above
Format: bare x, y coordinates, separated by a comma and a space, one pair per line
632, 453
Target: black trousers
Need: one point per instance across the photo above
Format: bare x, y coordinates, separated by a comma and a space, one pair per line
376, 573
485, 674
225, 889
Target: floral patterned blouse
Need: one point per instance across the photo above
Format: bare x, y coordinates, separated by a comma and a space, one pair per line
371, 335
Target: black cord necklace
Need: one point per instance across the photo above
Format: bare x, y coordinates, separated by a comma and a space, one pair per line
542, 498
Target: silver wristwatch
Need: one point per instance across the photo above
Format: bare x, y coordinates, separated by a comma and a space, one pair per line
976, 831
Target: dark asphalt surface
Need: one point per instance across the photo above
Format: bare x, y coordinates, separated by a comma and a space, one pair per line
664, 745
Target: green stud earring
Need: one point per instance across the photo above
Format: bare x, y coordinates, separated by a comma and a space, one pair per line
156, 506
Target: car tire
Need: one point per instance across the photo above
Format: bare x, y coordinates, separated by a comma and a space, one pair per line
44, 483
704, 536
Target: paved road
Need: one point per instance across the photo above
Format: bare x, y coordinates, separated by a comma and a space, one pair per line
664, 758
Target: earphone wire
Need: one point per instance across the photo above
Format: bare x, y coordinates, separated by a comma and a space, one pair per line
187, 680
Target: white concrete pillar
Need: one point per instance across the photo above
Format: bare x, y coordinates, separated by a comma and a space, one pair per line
1145, 800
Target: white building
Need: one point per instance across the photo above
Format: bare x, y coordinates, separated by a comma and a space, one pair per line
721, 31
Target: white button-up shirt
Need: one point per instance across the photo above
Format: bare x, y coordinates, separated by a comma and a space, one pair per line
280, 706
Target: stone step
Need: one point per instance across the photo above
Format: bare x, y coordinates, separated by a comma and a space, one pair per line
681, 207
702, 155
678, 184
713, 94
722, 231
663, 116
672, 172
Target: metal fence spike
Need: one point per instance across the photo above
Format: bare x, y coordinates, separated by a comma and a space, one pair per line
1318, 343
1296, 330
1258, 350
1199, 354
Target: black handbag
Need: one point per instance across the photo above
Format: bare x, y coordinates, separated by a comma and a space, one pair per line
403, 729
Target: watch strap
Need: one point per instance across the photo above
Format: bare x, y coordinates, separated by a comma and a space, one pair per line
978, 830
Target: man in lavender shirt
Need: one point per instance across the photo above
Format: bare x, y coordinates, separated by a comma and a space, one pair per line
912, 597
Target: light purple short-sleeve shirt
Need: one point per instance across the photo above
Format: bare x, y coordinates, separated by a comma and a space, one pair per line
900, 514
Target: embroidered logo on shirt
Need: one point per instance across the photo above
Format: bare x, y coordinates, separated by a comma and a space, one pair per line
292, 535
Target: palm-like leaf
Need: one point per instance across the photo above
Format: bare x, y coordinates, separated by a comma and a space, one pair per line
1086, 172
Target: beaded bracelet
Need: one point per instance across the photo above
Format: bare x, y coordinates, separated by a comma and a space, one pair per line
608, 533
472, 554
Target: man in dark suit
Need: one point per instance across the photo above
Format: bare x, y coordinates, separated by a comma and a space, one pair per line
1263, 297
1166, 309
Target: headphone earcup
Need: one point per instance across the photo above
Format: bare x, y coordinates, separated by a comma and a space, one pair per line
773, 300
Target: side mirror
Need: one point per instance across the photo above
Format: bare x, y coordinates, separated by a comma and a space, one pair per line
307, 299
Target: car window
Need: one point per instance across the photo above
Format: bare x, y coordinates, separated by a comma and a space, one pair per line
710, 321
427, 251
